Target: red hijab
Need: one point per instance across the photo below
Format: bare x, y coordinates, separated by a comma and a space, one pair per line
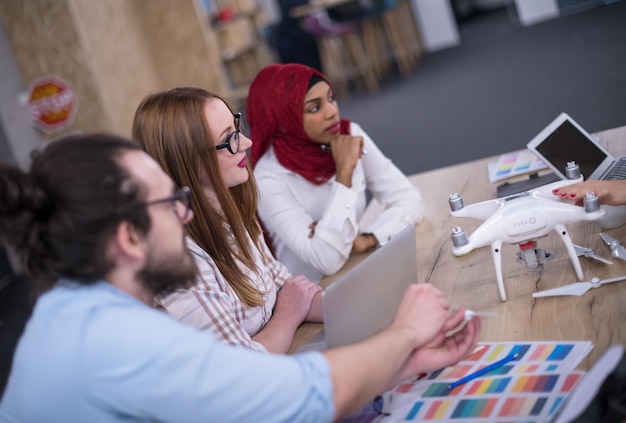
274, 111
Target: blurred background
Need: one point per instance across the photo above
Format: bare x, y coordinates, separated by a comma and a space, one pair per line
434, 82
502, 84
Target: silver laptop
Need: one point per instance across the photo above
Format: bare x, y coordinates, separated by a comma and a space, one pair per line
564, 140
365, 299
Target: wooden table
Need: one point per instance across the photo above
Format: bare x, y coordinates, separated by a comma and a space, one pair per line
598, 316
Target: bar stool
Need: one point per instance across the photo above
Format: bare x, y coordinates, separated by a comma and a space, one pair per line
409, 29
341, 51
392, 28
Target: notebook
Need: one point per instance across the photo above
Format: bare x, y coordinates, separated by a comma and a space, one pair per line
365, 299
564, 140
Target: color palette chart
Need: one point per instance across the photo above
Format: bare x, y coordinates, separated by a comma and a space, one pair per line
513, 164
531, 388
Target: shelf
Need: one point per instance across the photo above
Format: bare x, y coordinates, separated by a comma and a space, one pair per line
242, 48
247, 15
228, 56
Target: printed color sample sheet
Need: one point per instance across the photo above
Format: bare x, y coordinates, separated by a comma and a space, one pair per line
513, 164
531, 388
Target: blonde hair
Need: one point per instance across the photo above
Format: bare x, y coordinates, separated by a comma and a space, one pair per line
172, 127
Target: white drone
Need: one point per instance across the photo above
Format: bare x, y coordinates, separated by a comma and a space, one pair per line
522, 219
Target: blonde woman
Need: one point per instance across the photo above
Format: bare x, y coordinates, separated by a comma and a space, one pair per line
242, 294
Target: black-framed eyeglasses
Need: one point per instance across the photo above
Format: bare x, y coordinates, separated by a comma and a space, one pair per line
180, 202
232, 140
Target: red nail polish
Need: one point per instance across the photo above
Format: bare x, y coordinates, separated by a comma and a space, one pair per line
563, 194
555, 191
572, 196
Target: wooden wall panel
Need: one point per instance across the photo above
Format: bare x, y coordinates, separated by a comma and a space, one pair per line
113, 52
44, 41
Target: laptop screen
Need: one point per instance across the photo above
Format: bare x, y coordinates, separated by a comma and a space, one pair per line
566, 144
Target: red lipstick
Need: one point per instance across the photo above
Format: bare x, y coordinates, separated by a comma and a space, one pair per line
334, 128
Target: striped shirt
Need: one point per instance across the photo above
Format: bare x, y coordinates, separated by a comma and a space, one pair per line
212, 304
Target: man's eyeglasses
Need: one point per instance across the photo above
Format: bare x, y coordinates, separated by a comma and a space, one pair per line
180, 202
232, 140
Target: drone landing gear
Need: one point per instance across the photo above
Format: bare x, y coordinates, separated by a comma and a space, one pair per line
532, 257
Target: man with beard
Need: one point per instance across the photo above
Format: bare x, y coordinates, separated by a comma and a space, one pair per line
99, 227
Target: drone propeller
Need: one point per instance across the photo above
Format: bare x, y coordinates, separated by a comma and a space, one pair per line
617, 250
577, 288
588, 252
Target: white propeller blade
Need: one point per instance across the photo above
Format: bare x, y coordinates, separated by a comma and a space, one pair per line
617, 250
588, 252
577, 288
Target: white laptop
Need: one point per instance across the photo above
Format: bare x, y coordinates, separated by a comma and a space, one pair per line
365, 299
564, 140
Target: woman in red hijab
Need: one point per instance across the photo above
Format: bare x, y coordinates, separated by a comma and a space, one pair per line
313, 169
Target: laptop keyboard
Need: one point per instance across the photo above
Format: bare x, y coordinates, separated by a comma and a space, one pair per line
618, 171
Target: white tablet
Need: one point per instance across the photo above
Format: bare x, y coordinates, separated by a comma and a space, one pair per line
564, 140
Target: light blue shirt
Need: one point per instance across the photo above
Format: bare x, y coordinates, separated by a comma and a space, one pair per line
96, 354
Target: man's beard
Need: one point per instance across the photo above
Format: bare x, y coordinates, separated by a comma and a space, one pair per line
163, 276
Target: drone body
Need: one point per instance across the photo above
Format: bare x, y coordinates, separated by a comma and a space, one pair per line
522, 219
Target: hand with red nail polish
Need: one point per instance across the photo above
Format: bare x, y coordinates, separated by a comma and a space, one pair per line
612, 193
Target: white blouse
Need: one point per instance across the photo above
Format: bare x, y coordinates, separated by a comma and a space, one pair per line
289, 204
